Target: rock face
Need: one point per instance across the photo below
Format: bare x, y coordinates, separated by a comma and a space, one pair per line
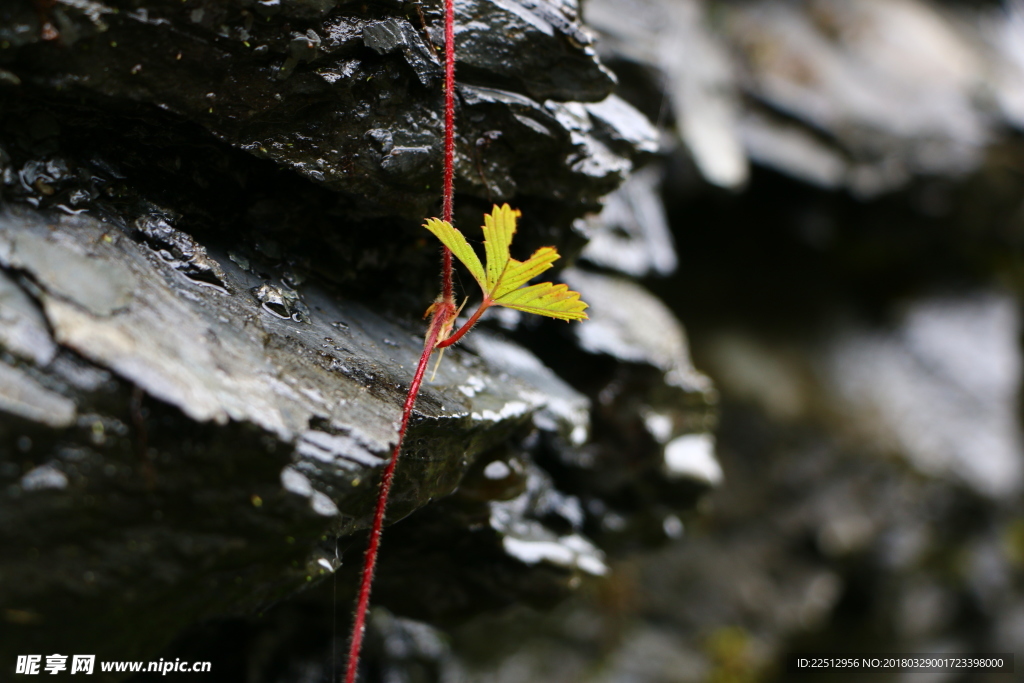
211, 274
855, 296
348, 95
865, 96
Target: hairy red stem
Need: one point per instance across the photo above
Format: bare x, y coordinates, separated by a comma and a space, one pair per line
370, 564
449, 144
466, 327
449, 107
443, 315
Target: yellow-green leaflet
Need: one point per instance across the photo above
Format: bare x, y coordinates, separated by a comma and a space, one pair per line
547, 298
454, 240
502, 281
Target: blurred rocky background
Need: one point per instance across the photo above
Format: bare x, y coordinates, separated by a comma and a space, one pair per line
212, 274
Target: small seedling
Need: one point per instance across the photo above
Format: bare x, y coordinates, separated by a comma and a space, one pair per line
503, 283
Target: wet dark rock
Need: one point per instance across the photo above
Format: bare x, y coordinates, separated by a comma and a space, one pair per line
288, 421
950, 368
652, 455
872, 499
26, 398
211, 273
486, 555
96, 296
631, 234
563, 410
210, 294
407, 650
23, 331
692, 69
565, 66
856, 302
390, 35
310, 99
179, 249
828, 92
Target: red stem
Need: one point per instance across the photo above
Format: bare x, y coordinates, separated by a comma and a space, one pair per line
449, 144
466, 327
443, 314
370, 562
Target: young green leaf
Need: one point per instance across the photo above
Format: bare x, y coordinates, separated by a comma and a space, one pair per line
454, 240
546, 298
503, 279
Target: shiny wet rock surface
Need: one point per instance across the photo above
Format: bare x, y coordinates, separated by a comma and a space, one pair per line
211, 279
212, 274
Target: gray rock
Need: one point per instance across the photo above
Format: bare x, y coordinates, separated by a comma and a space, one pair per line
236, 434
550, 52
631, 234
22, 396
208, 258
309, 101
652, 454
22, 326
630, 324
870, 95
940, 389
695, 71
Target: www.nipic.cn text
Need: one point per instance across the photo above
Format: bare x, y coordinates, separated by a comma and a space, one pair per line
28, 665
